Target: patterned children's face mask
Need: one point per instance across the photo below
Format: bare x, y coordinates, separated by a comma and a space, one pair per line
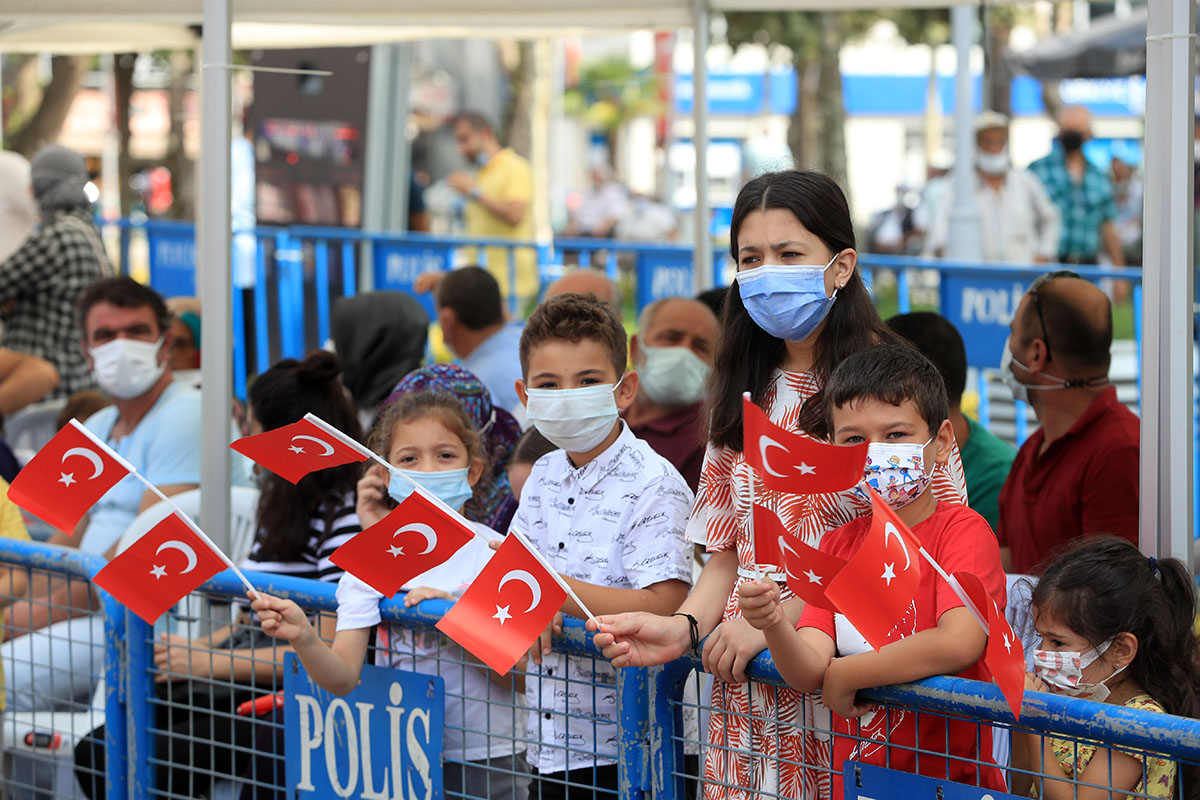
896, 470
1062, 671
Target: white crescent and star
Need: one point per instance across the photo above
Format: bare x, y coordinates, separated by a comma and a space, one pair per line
91, 455
429, 533
527, 579
889, 572
183, 547
297, 449
889, 530
764, 443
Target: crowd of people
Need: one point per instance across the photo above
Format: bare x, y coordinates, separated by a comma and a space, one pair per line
633, 484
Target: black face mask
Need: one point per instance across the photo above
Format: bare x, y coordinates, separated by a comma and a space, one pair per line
1071, 140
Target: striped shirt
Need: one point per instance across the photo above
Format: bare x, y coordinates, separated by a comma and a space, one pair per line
323, 539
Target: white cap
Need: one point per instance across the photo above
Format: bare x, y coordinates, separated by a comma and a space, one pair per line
941, 159
989, 120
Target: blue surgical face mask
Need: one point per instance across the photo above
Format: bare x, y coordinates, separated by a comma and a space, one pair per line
788, 302
450, 486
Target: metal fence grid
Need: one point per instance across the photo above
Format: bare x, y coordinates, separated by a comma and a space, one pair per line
181, 734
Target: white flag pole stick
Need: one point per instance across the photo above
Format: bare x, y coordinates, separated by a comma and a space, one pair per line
958, 590
175, 508
365, 451
541, 560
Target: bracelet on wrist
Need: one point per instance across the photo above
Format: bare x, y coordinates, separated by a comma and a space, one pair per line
693, 631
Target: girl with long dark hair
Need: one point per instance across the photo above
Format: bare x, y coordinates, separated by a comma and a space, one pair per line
797, 308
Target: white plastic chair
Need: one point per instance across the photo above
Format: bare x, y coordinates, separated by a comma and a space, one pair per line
31, 427
60, 731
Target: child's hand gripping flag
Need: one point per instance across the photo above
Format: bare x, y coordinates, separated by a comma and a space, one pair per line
69, 474
413, 538
507, 607
159, 569
876, 587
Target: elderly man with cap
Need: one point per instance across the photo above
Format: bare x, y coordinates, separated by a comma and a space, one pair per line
1018, 223
41, 282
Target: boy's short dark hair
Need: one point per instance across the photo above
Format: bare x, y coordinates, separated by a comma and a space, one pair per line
574, 317
123, 292
939, 341
474, 296
893, 374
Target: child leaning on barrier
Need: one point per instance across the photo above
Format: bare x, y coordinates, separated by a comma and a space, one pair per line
892, 397
608, 513
430, 438
1116, 628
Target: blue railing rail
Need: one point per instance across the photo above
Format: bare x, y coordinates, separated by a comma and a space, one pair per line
650, 725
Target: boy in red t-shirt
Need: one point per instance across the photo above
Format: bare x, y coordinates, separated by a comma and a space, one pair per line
893, 397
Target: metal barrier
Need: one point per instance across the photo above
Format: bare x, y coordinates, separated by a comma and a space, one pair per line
181, 735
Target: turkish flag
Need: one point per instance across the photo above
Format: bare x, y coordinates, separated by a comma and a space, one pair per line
506, 608
69, 474
767, 531
790, 462
809, 571
1004, 658
413, 538
876, 587
159, 569
295, 450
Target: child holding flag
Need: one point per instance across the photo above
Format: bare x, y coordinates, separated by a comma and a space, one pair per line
916, 624
608, 514
430, 439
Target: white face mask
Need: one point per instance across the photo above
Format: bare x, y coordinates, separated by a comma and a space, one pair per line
1020, 391
127, 368
671, 376
992, 163
576, 420
1062, 671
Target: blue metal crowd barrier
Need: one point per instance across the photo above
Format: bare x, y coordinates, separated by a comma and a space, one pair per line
651, 730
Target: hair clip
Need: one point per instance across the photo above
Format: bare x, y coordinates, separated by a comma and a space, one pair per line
1153, 565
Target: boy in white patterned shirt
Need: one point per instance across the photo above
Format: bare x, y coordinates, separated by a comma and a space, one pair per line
609, 514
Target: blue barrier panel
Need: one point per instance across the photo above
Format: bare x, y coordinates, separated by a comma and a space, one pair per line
172, 251
351, 747
981, 308
397, 264
663, 272
869, 782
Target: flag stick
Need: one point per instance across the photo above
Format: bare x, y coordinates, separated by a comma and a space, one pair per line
175, 508
958, 590
753, 475
418, 488
541, 560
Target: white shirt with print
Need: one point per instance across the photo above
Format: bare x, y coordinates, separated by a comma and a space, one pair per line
618, 521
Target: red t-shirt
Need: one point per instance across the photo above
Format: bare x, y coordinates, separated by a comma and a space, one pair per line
1086, 482
961, 541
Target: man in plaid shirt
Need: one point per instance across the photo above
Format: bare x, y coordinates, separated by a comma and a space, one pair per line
42, 281
1082, 192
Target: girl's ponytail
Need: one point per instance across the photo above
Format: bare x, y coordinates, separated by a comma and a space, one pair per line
1176, 627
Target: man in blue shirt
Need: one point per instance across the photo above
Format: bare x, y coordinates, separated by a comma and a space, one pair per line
154, 423
474, 327
1082, 191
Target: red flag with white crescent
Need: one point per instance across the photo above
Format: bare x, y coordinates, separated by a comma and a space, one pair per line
159, 569
876, 587
809, 571
506, 608
413, 538
789, 462
295, 450
69, 474
1004, 658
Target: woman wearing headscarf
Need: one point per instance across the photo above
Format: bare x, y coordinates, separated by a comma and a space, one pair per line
493, 503
18, 213
40, 283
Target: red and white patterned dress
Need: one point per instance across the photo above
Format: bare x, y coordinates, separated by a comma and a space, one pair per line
760, 736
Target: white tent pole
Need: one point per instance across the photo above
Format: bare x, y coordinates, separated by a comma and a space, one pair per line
1166, 519
962, 240
702, 257
212, 261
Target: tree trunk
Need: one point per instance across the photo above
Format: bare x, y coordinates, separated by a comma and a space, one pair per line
798, 137
21, 92
182, 168
123, 79
517, 130
831, 141
66, 76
